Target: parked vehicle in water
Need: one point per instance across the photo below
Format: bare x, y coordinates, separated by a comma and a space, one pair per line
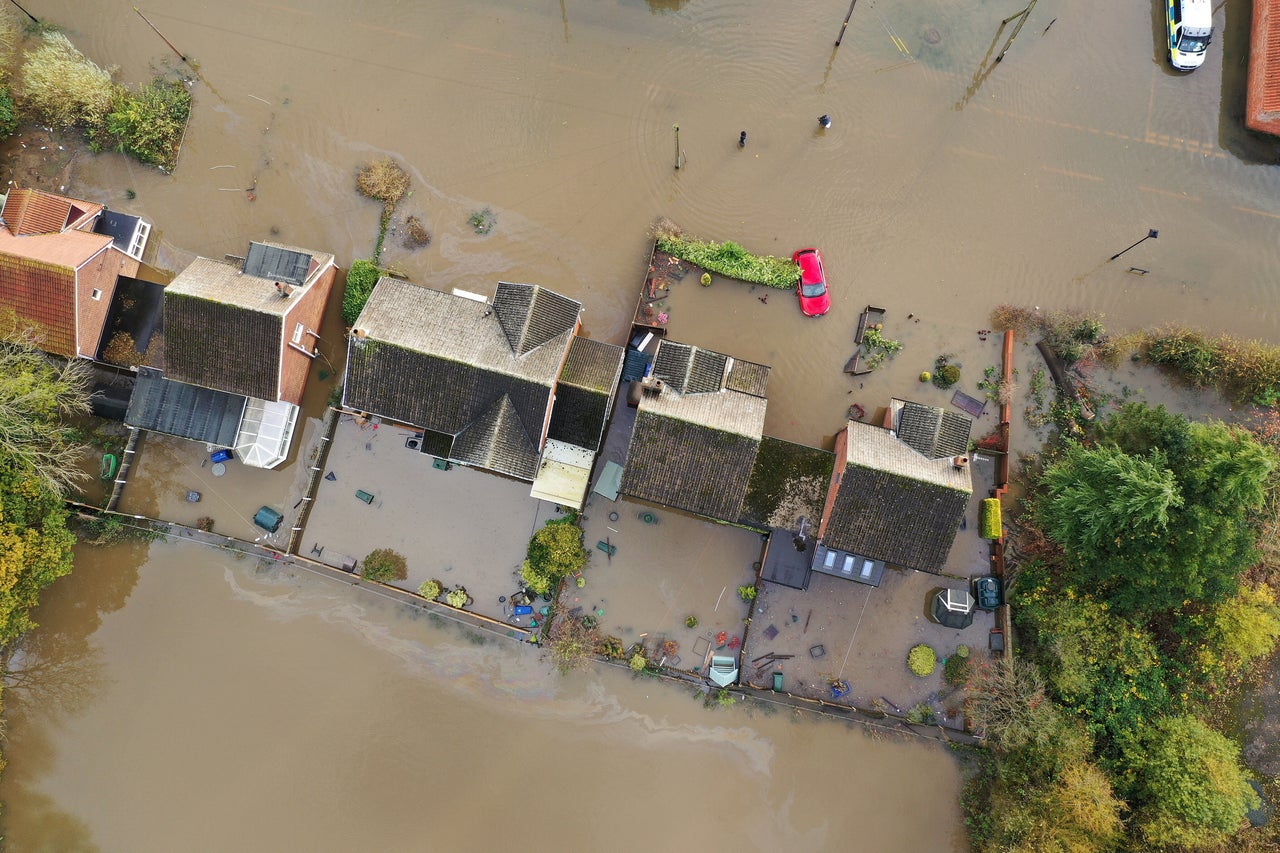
812, 286
1190, 27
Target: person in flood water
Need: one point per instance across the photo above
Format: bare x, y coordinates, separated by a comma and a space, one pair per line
825, 121
742, 139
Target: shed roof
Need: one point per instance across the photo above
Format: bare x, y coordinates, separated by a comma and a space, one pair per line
893, 504
187, 411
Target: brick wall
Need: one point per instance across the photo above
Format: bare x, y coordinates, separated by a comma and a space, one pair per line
309, 311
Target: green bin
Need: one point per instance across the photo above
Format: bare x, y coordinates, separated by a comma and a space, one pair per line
268, 519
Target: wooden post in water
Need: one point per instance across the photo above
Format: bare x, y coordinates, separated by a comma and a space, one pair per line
162, 38
33, 18
676, 127
845, 25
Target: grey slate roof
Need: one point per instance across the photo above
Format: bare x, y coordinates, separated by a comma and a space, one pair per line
932, 431
688, 466
688, 369
118, 226
187, 411
446, 363
895, 505
224, 326
584, 395
531, 315
277, 263
748, 377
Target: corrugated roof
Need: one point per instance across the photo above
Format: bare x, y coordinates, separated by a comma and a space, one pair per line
277, 263
932, 431
688, 466
895, 505
530, 315
187, 411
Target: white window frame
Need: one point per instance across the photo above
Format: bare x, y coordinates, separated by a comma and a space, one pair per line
96, 295
298, 331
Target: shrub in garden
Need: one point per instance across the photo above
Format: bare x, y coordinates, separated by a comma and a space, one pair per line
457, 597
555, 552
611, 647
991, 524
149, 125
361, 278
383, 180
691, 622
638, 662
922, 660
383, 565
63, 88
956, 670
922, 714
747, 593
431, 589
8, 114
729, 259
946, 375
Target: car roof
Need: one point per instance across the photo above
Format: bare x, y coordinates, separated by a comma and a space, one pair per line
810, 266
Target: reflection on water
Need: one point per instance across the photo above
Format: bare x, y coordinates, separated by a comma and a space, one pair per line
241, 706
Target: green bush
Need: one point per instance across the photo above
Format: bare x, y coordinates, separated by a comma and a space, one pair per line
383, 565
361, 278
946, 376
457, 598
747, 593
731, 260
62, 88
638, 662
922, 714
431, 589
991, 523
691, 622
922, 660
956, 670
8, 114
150, 124
611, 647
554, 553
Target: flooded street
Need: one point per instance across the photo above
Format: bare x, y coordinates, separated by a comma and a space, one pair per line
232, 709
229, 707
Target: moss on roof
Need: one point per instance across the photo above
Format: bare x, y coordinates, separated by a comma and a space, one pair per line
788, 481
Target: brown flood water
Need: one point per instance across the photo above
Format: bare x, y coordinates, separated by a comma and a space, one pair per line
183, 700
238, 710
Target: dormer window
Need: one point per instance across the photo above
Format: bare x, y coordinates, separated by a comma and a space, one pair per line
96, 295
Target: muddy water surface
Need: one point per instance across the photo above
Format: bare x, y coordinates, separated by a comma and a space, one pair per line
182, 700
235, 710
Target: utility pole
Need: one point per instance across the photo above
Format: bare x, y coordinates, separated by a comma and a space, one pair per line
162, 38
1151, 235
845, 25
1024, 14
676, 127
33, 18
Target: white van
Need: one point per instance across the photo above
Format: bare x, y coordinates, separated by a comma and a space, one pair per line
1190, 28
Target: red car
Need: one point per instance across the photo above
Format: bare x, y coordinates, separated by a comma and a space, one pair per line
812, 287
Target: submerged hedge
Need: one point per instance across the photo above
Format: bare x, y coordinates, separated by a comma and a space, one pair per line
730, 259
991, 525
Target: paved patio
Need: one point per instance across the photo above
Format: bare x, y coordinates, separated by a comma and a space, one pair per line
460, 526
838, 629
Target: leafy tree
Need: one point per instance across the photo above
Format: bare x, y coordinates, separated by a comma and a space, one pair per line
35, 544
62, 87
555, 552
1241, 629
384, 565
572, 643
149, 125
8, 114
36, 393
1192, 790
361, 278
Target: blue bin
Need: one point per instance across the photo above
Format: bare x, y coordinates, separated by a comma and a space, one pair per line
221, 455
523, 610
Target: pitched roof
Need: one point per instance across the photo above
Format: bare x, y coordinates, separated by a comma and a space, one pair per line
893, 504
584, 394
187, 411
277, 263
445, 363
43, 295
530, 315
932, 431
693, 370
688, 466
224, 327
31, 211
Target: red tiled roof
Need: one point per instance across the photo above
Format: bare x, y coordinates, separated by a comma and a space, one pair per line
1262, 111
43, 294
28, 211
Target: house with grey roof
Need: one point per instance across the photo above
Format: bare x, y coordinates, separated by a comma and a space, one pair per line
698, 429
889, 503
243, 327
930, 430
505, 385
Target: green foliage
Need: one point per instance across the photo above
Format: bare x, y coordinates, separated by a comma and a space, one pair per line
384, 565
878, 347
111, 530
1244, 370
35, 544
921, 714
925, 376
482, 221
705, 279
430, 589
611, 647
8, 114
572, 642
956, 670
992, 524
922, 660
1191, 788
62, 88
946, 375
361, 278
962, 651
149, 125
1241, 629
36, 394
638, 662
747, 593
691, 622
554, 553
457, 598
731, 260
